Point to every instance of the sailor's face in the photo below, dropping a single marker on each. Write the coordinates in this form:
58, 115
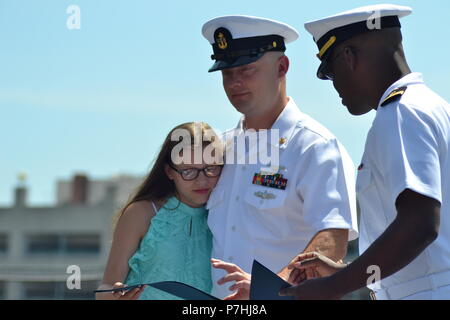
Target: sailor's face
248, 87
348, 85
350, 97
238, 82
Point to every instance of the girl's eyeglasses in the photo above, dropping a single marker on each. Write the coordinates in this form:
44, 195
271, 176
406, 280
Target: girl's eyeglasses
192, 173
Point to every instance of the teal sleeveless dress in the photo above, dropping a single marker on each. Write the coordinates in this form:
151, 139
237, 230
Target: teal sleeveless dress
177, 247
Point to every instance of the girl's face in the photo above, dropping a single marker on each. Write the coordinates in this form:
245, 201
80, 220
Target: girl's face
194, 182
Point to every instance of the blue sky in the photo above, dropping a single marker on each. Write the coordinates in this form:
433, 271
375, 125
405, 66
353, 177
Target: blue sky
101, 99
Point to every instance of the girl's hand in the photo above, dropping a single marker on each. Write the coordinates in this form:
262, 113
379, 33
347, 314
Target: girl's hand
132, 294
243, 280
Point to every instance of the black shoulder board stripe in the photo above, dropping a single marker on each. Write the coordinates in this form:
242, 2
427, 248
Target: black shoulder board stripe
394, 95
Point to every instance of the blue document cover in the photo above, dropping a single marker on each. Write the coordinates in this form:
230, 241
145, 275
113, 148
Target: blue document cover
265, 285
182, 290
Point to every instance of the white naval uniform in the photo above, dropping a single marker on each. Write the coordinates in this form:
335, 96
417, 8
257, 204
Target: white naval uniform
319, 195
407, 147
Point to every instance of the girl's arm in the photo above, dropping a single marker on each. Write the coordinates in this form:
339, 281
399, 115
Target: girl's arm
131, 228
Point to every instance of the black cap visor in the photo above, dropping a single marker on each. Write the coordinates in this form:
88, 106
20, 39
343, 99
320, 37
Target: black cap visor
239, 61
322, 70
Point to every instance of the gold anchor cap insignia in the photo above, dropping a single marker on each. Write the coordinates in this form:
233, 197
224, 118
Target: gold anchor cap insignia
221, 41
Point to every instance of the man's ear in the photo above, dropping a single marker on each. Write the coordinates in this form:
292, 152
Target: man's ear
283, 66
351, 58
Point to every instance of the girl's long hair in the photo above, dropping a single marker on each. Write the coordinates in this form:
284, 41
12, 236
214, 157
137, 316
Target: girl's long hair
157, 186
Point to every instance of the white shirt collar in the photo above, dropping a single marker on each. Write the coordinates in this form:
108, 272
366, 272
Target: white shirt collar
412, 78
285, 123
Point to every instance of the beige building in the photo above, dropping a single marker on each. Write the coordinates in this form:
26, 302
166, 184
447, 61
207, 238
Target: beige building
92, 192
43, 248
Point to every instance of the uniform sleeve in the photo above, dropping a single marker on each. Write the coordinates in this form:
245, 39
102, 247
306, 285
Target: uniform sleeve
407, 153
327, 187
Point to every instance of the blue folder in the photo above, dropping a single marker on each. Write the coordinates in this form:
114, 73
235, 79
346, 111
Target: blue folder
265, 285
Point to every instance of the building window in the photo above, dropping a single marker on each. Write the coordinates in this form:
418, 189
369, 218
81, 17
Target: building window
87, 243
2, 290
47, 243
85, 293
39, 290
63, 244
3, 243
58, 291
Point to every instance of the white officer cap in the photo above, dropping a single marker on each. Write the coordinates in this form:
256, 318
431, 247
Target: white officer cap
239, 40
329, 32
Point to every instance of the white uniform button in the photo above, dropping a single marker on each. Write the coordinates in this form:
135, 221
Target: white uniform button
233, 228
237, 198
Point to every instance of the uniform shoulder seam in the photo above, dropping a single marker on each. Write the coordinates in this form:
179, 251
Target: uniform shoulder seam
327, 137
